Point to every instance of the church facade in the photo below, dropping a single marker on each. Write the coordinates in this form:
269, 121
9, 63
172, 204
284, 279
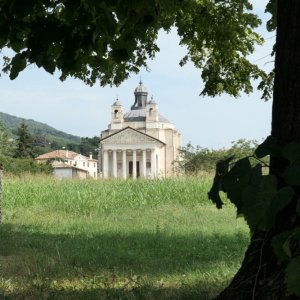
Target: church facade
140, 142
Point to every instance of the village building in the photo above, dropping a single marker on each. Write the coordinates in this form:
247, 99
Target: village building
140, 142
69, 164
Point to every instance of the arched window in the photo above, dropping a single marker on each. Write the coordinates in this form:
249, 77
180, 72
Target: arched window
116, 114
150, 111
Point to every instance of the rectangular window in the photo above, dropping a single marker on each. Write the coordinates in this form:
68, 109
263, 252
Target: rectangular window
88, 164
83, 164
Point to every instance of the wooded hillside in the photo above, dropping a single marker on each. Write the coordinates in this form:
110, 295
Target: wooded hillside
38, 129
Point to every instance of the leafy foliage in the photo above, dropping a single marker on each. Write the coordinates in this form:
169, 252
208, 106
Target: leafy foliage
24, 147
87, 146
193, 160
107, 40
260, 198
293, 276
18, 166
6, 141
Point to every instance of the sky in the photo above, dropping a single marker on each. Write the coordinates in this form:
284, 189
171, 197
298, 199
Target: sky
75, 108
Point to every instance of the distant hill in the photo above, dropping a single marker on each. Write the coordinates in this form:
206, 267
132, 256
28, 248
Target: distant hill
39, 129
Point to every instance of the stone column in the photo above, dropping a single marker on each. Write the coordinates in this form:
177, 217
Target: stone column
124, 162
134, 163
153, 162
105, 164
114, 163
144, 163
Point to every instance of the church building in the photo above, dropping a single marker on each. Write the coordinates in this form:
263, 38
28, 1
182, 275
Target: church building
140, 142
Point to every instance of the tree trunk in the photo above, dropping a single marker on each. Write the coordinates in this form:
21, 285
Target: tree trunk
261, 276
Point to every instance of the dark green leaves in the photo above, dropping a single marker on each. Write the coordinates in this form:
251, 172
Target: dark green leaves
286, 247
236, 180
107, 40
221, 170
280, 200
291, 152
256, 196
298, 207
214, 193
272, 9
18, 64
120, 55
279, 245
292, 172
257, 199
268, 147
293, 276
206, 27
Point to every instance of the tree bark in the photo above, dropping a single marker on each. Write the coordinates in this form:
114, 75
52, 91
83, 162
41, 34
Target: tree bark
261, 276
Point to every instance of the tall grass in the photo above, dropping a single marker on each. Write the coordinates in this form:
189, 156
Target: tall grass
134, 239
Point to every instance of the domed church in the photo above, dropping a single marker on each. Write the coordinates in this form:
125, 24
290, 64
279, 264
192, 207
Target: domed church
140, 142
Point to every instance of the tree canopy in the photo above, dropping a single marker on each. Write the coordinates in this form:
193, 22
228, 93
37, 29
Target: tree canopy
24, 147
106, 40
6, 141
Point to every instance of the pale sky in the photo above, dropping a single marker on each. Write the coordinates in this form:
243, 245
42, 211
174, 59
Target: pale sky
75, 108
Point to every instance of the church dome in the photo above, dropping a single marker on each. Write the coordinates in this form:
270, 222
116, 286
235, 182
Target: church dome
141, 88
139, 115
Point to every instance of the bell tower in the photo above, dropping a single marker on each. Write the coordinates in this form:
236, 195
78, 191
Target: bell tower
117, 115
152, 111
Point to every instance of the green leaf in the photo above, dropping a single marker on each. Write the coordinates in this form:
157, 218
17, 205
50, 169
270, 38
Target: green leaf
268, 147
282, 198
257, 200
18, 64
222, 167
292, 277
148, 19
256, 175
292, 173
298, 207
291, 152
236, 181
49, 66
278, 243
120, 55
216, 188
286, 247
283, 244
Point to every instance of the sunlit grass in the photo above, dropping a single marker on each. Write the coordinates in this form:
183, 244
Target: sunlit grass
155, 239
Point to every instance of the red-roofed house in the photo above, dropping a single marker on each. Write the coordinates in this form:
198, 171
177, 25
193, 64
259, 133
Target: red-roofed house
69, 164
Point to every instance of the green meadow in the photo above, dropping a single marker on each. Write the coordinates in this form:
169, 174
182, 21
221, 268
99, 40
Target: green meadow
154, 239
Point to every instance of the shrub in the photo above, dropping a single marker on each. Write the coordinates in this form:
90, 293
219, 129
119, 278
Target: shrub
17, 166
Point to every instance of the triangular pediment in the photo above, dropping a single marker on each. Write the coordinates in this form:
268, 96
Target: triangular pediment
129, 136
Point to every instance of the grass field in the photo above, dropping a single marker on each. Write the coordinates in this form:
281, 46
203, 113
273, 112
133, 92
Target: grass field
156, 239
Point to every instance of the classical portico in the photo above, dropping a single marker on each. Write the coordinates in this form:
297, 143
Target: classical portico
131, 154
140, 142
